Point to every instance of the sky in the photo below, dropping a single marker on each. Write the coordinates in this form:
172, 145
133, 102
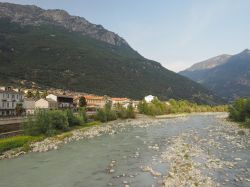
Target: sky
176, 33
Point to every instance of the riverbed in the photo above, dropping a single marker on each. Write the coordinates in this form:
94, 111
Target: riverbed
193, 150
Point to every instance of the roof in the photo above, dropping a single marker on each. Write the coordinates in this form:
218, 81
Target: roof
119, 99
94, 97
50, 100
61, 95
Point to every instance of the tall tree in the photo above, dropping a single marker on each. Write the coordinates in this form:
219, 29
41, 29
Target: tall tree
82, 102
19, 109
29, 94
37, 95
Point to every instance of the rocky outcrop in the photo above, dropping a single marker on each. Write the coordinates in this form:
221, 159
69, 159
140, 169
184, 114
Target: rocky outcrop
35, 16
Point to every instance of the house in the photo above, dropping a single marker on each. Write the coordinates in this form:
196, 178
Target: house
9, 100
96, 101
63, 101
149, 98
29, 105
121, 101
46, 104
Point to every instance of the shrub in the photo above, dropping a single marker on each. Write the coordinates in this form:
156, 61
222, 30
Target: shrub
247, 122
72, 119
82, 114
237, 111
106, 114
46, 122
40, 124
130, 111
59, 120
101, 115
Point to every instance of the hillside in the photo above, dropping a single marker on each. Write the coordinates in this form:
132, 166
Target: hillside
53, 49
229, 79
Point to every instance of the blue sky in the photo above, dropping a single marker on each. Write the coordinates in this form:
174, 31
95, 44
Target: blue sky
176, 33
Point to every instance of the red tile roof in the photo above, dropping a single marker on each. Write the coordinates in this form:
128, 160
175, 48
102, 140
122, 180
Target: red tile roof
119, 99
93, 97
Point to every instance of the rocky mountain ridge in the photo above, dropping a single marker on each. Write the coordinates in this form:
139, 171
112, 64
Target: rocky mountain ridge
229, 76
210, 63
35, 16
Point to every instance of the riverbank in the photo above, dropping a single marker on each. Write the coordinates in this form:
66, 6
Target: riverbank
89, 130
95, 129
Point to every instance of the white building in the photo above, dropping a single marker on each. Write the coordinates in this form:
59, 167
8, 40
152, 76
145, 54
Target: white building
46, 104
125, 102
149, 98
8, 101
29, 105
63, 101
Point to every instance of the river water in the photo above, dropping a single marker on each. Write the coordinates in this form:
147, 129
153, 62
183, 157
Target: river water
119, 159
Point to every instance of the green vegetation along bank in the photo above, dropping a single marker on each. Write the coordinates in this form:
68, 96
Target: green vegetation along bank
239, 111
57, 123
157, 107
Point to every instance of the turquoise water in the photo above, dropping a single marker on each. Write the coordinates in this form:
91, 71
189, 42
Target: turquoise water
86, 162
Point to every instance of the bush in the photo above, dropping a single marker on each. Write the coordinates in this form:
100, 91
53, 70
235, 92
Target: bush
247, 122
82, 114
40, 124
106, 114
15, 142
237, 111
130, 111
48, 122
72, 119
59, 120
101, 115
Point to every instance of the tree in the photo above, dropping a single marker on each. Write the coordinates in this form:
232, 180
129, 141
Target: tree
130, 111
82, 102
19, 109
37, 95
29, 94
44, 94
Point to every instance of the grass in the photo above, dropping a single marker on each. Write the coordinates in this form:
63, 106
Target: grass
24, 142
17, 141
93, 123
63, 135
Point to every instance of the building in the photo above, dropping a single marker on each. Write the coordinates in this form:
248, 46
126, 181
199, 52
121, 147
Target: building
29, 105
121, 101
9, 100
63, 101
46, 104
96, 101
149, 98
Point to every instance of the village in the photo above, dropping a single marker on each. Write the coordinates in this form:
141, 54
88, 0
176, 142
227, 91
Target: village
24, 102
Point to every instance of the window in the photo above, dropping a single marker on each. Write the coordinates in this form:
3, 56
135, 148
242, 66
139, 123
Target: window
13, 105
8, 95
8, 105
13, 96
17, 96
3, 105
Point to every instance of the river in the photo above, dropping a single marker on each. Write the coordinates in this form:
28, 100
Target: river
215, 151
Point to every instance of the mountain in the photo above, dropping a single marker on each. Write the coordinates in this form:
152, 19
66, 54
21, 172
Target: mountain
210, 63
51, 48
227, 75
